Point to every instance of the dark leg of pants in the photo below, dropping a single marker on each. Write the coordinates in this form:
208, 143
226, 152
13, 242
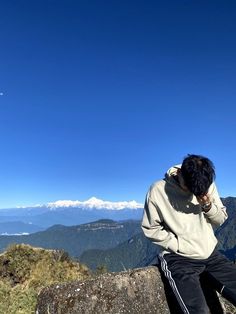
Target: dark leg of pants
209, 292
173, 303
211, 296
184, 275
222, 274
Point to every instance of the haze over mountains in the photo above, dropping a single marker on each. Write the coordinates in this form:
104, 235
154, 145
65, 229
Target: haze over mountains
67, 213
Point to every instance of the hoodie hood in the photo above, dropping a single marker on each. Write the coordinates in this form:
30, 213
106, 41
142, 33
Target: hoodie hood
170, 178
171, 173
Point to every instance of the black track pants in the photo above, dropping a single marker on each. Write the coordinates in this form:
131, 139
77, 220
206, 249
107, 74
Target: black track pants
184, 274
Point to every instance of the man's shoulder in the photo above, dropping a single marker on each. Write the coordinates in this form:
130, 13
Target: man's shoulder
212, 189
157, 186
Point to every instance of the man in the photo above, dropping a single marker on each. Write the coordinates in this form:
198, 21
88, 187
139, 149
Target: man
180, 214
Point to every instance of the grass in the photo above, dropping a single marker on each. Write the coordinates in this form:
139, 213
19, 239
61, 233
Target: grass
25, 270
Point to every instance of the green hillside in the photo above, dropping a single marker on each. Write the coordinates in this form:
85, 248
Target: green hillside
102, 234
138, 251
25, 270
226, 234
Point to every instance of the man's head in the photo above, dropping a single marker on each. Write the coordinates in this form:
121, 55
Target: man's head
198, 173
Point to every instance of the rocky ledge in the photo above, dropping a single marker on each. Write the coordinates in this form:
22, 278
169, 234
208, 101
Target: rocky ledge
136, 291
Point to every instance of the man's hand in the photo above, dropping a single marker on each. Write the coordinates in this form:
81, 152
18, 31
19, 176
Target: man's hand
205, 202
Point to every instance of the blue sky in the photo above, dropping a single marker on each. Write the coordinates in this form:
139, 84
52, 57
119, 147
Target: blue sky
100, 98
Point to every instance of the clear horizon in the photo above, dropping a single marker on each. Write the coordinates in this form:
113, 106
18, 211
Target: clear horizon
102, 98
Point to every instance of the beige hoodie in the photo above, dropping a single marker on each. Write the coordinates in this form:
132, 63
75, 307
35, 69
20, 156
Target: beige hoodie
174, 219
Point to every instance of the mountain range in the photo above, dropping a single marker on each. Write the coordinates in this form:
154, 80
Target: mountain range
102, 234
116, 244
24, 220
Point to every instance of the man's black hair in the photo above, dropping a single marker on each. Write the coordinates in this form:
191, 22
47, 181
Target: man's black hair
198, 173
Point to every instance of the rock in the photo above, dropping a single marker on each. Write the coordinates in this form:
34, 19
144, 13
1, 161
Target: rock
135, 291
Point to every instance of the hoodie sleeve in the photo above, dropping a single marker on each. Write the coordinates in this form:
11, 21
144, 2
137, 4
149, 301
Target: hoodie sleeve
154, 228
217, 214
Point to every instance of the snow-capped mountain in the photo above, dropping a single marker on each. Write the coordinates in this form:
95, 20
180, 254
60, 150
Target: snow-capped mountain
68, 213
91, 203
95, 203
